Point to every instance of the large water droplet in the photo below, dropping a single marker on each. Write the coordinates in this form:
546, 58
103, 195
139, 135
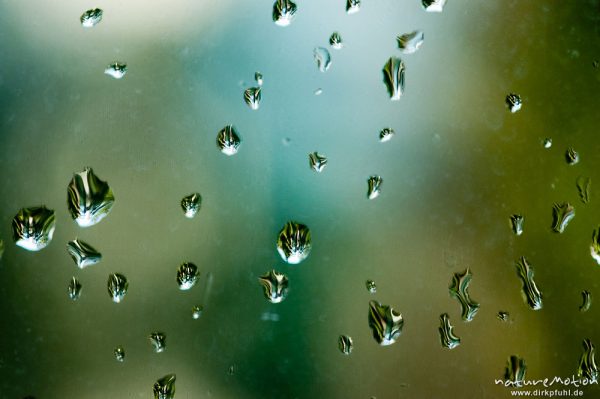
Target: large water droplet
294, 242
119, 354
323, 58
571, 156
352, 6
345, 344
83, 254
587, 301
458, 289
516, 222
433, 5
447, 337
563, 213
317, 161
116, 69
164, 388
284, 12
587, 363
275, 286
386, 324
371, 286
187, 276
583, 188
117, 287
228, 140
386, 134
158, 341
531, 293
335, 40
90, 199
197, 312
91, 18
252, 97
513, 101
191, 204
410, 42
74, 289
33, 227
374, 187
595, 246
393, 77
515, 371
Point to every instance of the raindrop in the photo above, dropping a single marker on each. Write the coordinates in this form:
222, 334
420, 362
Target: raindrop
587, 301
374, 187
386, 324
258, 77
275, 286
323, 58
345, 344
503, 316
91, 18
83, 254
284, 12
74, 289
252, 97
318, 92
158, 341
197, 312
513, 101
119, 354
583, 187
386, 134
563, 213
409, 43
447, 337
352, 6
587, 363
393, 77
433, 5
458, 289
515, 371
33, 228
116, 69
90, 199
117, 287
572, 156
191, 205
371, 287
164, 388
228, 140
1, 248
335, 40
231, 370
531, 293
595, 246
547, 142
317, 161
187, 276
294, 242
516, 222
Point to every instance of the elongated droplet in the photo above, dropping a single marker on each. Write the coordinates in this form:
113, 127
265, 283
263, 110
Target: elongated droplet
447, 337
284, 12
335, 41
572, 156
74, 289
294, 242
516, 222
197, 312
434, 5
393, 77
595, 246
90, 199
252, 97
374, 187
514, 103
91, 18
371, 286
409, 43
187, 275
352, 6
563, 213
116, 69
587, 363
158, 341
317, 161
275, 286
386, 134
191, 205
1, 249
587, 301
119, 354
531, 293
228, 140
164, 388
583, 187
345, 344
117, 287
503, 316
83, 254
258, 77
33, 228
458, 289
386, 324
515, 371
322, 58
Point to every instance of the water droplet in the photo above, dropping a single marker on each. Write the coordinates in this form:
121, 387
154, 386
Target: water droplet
90, 199
191, 204
164, 388
434, 5
197, 312
458, 289
503, 316
547, 142
231, 370
187, 276
371, 287
323, 58
294, 242
116, 69
258, 77
117, 287
252, 97
386, 134
393, 77
514, 102
587, 363
228, 140
595, 246
119, 354
318, 92
352, 6
531, 293
587, 301
374, 187
83, 254
335, 40
409, 43
447, 337
563, 214
317, 162
596, 63
284, 12
583, 187
33, 228
345, 344
515, 371
1, 249
91, 18
572, 156
275, 286
516, 222
74, 289
385, 323
158, 341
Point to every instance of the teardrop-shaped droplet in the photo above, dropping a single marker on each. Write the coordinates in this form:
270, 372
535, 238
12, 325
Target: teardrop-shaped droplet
386, 134
116, 70
258, 77
371, 286
515, 371
562, 213
197, 311
516, 222
83, 254
374, 187
158, 340
409, 43
74, 289
187, 275
583, 188
252, 97
164, 388
33, 228
587, 363
322, 58
117, 287
531, 292
90, 199
335, 40
352, 6
317, 161
514, 103
587, 301
228, 140
275, 286
459, 290
91, 18
284, 12
119, 354
447, 337
345, 344
294, 242
191, 205
572, 156
386, 324
393, 77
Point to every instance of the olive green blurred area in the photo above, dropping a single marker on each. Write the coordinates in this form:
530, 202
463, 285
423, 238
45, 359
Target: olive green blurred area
458, 166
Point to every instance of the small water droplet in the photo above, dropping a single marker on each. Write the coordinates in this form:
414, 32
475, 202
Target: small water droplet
158, 341
33, 227
228, 140
371, 287
374, 187
275, 286
258, 77
1, 249
583, 187
197, 312
191, 204
386, 324
318, 92
252, 97
409, 43
393, 77
284, 12
231, 370
119, 354
531, 293
447, 337
352, 6
335, 40
345, 344
386, 134
547, 142
503, 316
587, 301
91, 18
90, 199
596, 63
116, 69
317, 162
83, 254
595, 246
572, 156
323, 58
74, 289
587, 363
515, 371
294, 242
563, 213
516, 222
513, 101
117, 287
458, 289
187, 275
164, 388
